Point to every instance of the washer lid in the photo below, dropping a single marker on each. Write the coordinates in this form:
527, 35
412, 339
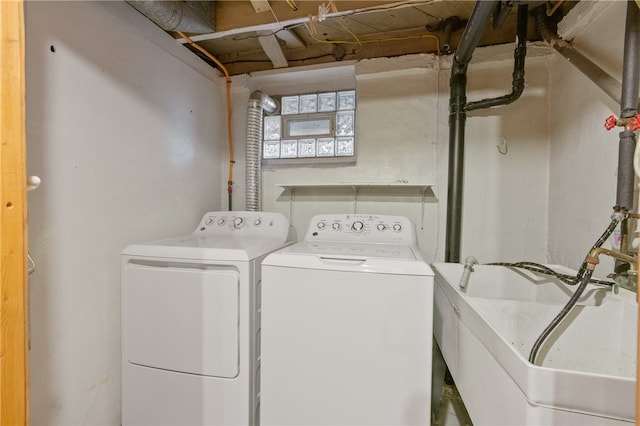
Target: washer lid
368, 250
400, 259
206, 247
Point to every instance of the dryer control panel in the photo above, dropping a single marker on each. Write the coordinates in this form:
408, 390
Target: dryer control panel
243, 224
362, 228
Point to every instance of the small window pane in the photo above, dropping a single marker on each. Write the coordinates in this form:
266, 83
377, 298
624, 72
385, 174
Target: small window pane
271, 149
306, 148
308, 126
326, 147
308, 103
289, 105
272, 128
347, 100
344, 123
344, 146
327, 102
289, 149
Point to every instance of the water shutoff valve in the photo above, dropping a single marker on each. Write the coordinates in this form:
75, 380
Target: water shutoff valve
631, 123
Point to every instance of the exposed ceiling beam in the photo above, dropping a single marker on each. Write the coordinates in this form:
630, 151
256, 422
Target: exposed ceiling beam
290, 38
260, 5
272, 48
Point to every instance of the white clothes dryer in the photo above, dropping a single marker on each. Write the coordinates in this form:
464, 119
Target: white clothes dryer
190, 322
347, 326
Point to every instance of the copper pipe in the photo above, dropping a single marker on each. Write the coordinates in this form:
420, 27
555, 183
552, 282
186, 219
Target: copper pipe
592, 258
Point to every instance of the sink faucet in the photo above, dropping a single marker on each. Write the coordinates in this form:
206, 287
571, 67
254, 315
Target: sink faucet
468, 269
628, 280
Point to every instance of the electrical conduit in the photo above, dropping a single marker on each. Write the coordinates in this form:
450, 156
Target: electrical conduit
229, 115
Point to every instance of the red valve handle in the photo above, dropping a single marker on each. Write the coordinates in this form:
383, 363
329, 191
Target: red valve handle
634, 123
610, 122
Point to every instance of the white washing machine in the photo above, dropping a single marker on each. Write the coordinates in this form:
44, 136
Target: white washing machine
347, 326
190, 325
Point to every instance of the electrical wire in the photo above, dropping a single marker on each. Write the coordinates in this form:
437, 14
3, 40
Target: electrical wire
361, 42
356, 39
229, 112
432, 36
352, 33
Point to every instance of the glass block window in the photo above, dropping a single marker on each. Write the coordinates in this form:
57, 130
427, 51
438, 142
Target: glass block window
312, 125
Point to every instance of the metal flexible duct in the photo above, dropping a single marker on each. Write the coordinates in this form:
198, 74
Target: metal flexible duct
258, 103
173, 16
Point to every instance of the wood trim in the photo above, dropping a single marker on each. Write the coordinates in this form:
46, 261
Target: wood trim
14, 405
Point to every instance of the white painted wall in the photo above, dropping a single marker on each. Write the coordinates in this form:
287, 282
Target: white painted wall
402, 136
505, 195
126, 130
584, 155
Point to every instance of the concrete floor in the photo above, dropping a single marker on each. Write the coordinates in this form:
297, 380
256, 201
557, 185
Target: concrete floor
447, 407
451, 410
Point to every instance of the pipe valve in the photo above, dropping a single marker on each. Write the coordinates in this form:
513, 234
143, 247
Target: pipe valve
630, 123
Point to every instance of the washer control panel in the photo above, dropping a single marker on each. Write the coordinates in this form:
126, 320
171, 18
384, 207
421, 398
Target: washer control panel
241, 223
363, 228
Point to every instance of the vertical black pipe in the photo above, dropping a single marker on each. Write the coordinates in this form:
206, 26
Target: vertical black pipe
629, 106
457, 120
457, 123
631, 64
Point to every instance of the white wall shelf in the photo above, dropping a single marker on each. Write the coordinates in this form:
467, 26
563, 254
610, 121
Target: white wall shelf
422, 187
422, 190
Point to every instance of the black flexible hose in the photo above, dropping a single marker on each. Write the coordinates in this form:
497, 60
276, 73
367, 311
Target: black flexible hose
563, 313
583, 276
542, 269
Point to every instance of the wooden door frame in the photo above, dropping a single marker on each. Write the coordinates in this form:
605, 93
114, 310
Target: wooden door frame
14, 389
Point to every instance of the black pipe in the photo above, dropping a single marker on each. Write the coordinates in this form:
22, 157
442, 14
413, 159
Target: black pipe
593, 72
517, 85
457, 119
473, 31
628, 108
458, 108
457, 122
500, 14
631, 64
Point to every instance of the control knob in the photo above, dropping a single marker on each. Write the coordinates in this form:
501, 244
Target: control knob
238, 222
357, 226
397, 227
381, 227
209, 221
321, 225
335, 226
221, 221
